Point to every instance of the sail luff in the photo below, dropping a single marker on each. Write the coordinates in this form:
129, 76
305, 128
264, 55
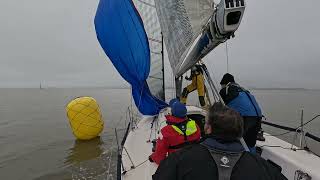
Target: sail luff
147, 11
122, 35
163, 76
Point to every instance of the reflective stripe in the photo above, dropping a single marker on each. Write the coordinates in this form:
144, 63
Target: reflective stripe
191, 128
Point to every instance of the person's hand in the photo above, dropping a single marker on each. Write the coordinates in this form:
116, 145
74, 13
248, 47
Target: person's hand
154, 142
150, 159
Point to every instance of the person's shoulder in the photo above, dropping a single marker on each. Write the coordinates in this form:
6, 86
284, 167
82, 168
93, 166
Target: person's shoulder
177, 163
222, 91
264, 166
249, 155
234, 87
168, 131
253, 157
190, 151
195, 147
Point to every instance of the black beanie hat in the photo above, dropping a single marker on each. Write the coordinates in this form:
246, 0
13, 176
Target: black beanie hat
227, 78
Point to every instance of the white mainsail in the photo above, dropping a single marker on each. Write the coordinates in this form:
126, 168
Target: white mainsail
190, 30
148, 14
193, 28
182, 21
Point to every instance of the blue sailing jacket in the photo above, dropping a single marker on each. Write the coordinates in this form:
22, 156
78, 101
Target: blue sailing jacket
241, 101
246, 105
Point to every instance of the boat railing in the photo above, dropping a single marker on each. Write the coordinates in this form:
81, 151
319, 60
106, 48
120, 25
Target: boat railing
297, 130
307, 134
120, 148
131, 118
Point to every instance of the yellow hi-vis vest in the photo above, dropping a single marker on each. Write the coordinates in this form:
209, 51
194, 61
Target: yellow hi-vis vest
190, 129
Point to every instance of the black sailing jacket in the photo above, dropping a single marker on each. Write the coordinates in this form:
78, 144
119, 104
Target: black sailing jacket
196, 163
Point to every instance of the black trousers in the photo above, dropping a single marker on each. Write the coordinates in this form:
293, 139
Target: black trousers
252, 126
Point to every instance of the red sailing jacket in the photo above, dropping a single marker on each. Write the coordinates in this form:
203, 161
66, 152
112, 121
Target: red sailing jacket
170, 137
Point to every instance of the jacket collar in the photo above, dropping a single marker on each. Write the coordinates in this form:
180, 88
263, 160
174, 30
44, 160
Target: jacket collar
172, 119
217, 143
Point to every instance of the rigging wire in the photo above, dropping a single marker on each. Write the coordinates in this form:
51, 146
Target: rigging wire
114, 139
137, 165
128, 114
297, 128
214, 81
227, 55
287, 148
173, 87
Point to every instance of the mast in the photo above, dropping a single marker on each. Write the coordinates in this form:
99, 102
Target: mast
178, 82
163, 77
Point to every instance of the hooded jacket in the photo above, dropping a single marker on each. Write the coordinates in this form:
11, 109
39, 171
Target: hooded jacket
241, 100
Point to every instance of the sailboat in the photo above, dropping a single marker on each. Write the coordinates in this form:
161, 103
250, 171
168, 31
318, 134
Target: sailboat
133, 34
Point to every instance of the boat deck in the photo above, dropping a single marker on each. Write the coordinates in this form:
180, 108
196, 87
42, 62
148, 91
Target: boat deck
138, 147
280, 152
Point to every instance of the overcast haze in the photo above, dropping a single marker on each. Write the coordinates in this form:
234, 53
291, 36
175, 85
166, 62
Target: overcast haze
54, 42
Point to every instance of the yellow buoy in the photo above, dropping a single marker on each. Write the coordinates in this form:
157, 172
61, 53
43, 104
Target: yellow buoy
85, 118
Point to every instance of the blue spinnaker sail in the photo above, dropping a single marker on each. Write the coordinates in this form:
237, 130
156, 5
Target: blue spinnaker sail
122, 36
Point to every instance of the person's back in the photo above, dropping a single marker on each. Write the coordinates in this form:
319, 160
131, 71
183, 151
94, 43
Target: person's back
242, 101
196, 163
238, 98
219, 157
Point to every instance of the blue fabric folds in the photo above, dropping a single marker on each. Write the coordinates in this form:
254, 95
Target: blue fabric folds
246, 105
121, 34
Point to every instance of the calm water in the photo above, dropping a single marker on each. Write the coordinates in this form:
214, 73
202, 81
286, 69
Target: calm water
36, 141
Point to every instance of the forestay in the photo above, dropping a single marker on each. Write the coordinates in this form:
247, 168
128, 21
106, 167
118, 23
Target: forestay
182, 22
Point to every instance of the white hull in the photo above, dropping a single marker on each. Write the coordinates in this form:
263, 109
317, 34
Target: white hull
290, 161
139, 148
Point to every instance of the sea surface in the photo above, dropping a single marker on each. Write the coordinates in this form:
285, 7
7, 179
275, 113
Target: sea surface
36, 141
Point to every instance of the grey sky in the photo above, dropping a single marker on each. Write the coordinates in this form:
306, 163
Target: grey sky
54, 42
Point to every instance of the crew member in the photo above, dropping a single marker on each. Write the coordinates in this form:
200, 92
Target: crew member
197, 84
242, 101
220, 156
179, 132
